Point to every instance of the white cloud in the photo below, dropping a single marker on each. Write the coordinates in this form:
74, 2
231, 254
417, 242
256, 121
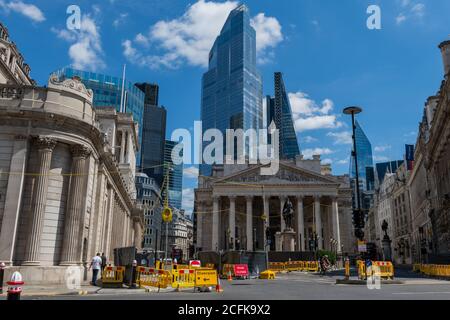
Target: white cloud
308, 139
343, 161
308, 115
188, 200
28, 10
327, 161
120, 19
189, 38
344, 137
380, 158
410, 11
309, 153
86, 51
382, 148
190, 172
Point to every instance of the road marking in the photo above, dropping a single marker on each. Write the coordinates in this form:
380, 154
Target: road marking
411, 293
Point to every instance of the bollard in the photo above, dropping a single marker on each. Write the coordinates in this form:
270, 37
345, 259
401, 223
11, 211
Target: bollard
347, 268
133, 275
15, 286
2, 273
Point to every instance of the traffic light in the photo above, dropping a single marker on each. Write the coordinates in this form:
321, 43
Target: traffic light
359, 233
358, 219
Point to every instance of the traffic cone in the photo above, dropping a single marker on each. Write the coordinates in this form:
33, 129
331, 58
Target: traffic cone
218, 287
230, 278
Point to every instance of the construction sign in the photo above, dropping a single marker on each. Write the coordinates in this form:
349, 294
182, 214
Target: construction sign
241, 270
205, 278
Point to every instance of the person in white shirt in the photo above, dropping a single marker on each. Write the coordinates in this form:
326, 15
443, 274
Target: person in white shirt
96, 265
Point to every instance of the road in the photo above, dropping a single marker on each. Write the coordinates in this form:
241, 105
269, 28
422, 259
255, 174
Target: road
292, 286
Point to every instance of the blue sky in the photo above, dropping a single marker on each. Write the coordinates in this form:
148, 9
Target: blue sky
329, 58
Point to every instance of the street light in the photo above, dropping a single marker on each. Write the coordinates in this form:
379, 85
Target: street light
357, 213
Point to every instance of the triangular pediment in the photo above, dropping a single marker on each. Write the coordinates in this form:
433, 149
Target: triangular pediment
287, 174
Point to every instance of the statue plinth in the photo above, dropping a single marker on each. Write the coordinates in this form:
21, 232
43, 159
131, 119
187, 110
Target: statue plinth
285, 241
387, 250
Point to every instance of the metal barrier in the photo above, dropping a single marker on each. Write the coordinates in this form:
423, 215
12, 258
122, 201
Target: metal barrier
112, 276
150, 277
383, 269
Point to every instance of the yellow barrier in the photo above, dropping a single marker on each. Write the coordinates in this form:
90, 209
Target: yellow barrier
313, 266
112, 276
416, 267
227, 269
277, 266
435, 270
362, 272
383, 269
180, 266
295, 266
150, 277
183, 278
267, 275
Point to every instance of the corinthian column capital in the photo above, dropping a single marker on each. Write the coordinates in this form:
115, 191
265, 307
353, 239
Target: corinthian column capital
80, 151
44, 143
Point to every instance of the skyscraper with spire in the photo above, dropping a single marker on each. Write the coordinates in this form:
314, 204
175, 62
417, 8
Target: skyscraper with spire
278, 110
232, 86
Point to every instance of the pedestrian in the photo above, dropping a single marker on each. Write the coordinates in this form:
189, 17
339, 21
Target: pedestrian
96, 264
104, 259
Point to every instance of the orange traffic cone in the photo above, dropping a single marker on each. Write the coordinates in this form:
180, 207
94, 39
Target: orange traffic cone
230, 278
218, 286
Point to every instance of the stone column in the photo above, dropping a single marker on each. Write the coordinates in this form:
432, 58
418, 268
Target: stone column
199, 228
13, 199
335, 221
267, 221
232, 221
300, 224
249, 224
318, 221
72, 241
122, 148
45, 150
215, 225
282, 223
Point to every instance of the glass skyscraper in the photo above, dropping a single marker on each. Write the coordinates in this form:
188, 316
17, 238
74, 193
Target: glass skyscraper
232, 86
153, 133
278, 110
175, 176
365, 167
108, 93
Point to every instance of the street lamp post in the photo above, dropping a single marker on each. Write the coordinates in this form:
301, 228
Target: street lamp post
359, 233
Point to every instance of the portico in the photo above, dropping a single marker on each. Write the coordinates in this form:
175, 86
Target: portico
233, 211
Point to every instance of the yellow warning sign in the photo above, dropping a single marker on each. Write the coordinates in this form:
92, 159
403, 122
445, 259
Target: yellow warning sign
167, 214
205, 278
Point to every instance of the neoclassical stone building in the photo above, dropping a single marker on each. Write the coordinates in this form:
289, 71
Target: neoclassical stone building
231, 204
66, 179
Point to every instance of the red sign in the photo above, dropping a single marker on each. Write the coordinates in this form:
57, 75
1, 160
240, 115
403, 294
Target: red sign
241, 270
195, 263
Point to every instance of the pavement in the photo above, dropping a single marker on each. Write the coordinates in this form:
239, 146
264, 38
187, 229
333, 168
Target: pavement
286, 286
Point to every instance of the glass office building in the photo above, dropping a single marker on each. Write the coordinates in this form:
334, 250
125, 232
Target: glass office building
385, 167
175, 176
278, 110
153, 133
365, 167
108, 93
232, 86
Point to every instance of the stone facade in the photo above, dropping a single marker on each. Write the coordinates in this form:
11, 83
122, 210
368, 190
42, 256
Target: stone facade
437, 163
235, 205
178, 235
64, 195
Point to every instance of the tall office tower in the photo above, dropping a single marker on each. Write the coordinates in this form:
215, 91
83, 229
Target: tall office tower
175, 176
153, 133
232, 86
365, 168
279, 111
108, 93
385, 167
